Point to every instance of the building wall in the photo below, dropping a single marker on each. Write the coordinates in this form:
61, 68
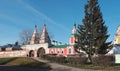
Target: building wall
64, 51
58, 51
35, 48
72, 40
0, 49
69, 50
17, 53
117, 40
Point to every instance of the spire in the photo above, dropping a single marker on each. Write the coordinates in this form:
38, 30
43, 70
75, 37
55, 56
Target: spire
44, 25
73, 36
35, 26
35, 29
44, 38
35, 37
74, 29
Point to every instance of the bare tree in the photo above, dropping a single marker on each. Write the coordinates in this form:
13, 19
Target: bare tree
25, 36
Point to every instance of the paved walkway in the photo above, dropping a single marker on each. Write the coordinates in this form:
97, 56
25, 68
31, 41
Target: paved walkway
58, 67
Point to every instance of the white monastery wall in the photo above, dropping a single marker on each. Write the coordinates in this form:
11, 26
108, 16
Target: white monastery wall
35, 47
16, 53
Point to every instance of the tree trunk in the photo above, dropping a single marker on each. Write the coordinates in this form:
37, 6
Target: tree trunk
90, 58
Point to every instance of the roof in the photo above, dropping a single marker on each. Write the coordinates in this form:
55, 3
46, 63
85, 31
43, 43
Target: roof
74, 35
58, 46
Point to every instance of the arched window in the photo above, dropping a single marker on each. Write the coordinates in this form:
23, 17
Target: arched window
51, 52
57, 51
69, 51
62, 51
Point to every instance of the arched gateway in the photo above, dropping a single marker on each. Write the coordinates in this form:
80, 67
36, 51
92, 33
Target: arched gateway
40, 45
31, 53
40, 52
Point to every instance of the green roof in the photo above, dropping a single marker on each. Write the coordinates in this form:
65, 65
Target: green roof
58, 46
74, 35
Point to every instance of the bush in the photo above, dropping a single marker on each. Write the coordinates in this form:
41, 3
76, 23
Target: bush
103, 60
48, 57
77, 60
61, 59
53, 58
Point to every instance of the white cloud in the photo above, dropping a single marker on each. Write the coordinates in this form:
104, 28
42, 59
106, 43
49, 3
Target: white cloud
43, 15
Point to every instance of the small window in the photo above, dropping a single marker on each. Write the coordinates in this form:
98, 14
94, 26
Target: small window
69, 51
57, 51
62, 51
52, 52
3, 49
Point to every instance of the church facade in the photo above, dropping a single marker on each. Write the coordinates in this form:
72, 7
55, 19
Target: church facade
116, 45
117, 37
40, 45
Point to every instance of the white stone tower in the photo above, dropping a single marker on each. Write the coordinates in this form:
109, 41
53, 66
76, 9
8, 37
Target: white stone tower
35, 37
44, 38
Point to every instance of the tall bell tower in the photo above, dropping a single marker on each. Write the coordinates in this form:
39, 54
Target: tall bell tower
44, 38
35, 37
73, 36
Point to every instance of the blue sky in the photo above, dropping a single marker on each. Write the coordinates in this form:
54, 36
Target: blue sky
58, 15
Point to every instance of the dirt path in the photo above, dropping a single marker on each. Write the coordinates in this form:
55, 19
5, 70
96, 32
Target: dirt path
58, 67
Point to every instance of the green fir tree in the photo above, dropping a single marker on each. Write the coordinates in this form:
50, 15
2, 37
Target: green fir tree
92, 34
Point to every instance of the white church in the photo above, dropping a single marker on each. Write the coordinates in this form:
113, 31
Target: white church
40, 45
116, 45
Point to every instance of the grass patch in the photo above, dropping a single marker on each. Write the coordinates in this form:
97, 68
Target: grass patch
24, 61
5, 60
90, 66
